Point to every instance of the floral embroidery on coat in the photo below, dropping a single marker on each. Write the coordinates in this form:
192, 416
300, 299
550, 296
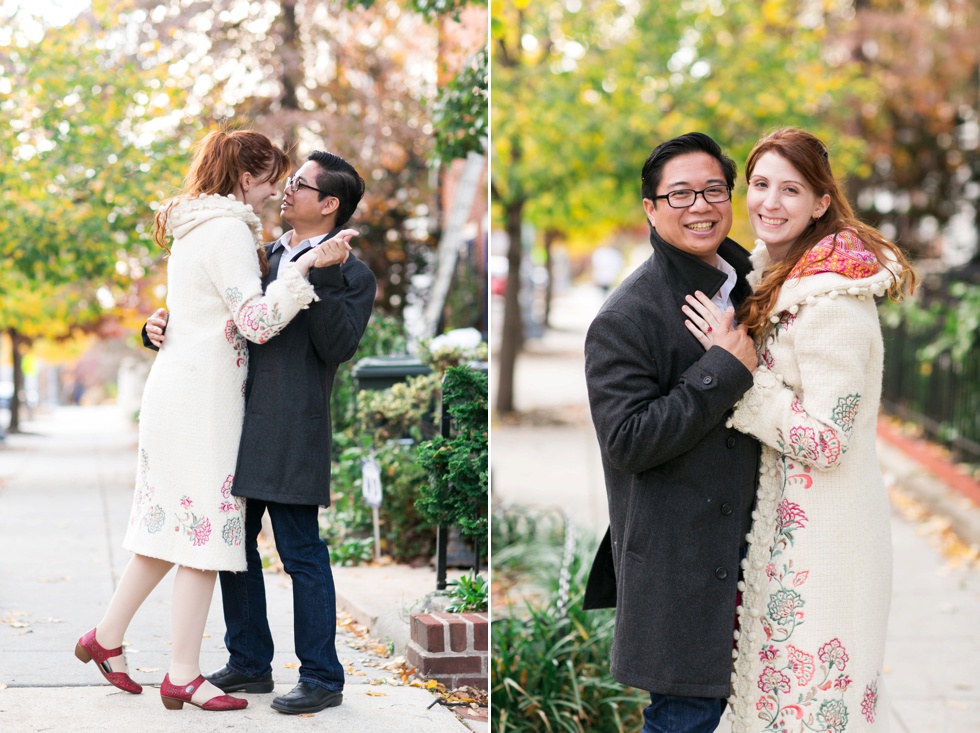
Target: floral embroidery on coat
785, 608
817, 678
258, 321
869, 705
234, 297
786, 320
820, 444
846, 411
233, 531
237, 341
150, 516
196, 529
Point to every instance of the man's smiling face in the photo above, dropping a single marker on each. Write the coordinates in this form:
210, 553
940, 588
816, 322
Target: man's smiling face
304, 205
702, 227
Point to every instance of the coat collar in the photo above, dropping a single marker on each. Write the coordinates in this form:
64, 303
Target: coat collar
275, 253
690, 273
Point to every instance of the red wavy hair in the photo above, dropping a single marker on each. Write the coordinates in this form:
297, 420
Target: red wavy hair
219, 162
810, 158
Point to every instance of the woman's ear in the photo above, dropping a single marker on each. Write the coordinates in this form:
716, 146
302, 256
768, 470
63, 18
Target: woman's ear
245, 181
823, 203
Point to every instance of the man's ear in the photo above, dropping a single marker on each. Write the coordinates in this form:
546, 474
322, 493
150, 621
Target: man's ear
651, 209
329, 205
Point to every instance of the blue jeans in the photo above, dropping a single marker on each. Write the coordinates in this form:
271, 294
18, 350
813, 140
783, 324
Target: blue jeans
680, 714
306, 559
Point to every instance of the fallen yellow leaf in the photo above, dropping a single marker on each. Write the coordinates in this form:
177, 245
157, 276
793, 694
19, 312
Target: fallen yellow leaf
375, 693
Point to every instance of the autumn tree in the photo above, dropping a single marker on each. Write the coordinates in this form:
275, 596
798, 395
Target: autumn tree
313, 76
922, 129
81, 121
582, 96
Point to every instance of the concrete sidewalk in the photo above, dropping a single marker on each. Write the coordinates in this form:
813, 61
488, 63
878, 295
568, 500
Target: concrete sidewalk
550, 458
65, 494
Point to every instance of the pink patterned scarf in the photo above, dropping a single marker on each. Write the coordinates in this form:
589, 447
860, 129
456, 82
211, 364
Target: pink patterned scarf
844, 254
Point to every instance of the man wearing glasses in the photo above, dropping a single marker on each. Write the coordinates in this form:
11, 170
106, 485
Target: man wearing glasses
284, 454
680, 484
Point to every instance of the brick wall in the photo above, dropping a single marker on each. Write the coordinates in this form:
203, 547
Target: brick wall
451, 648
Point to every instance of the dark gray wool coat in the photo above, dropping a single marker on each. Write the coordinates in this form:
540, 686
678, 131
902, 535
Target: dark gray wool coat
284, 455
680, 484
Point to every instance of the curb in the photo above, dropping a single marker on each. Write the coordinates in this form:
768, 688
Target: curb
920, 468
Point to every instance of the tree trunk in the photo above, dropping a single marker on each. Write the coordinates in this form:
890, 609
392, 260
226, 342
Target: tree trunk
16, 341
291, 78
512, 337
549, 238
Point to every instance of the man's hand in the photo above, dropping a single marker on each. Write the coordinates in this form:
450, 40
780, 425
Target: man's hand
712, 327
156, 324
334, 251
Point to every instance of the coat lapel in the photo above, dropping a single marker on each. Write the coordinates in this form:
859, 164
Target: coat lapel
275, 256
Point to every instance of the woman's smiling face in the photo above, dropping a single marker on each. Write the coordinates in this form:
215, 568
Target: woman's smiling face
781, 204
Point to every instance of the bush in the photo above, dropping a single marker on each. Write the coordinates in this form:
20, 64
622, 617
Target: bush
457, 490
469, 594
347, 524
352, 552
549, 661
384, 335
385, 424
405, 533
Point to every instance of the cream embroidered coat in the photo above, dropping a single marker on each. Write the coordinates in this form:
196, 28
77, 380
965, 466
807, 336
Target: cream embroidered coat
817, 578
193, 402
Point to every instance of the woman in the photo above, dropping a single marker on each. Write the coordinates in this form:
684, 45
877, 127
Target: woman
817, 576
191, 416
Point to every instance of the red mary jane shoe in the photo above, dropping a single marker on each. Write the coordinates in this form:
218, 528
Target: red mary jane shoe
174, 697
88, 649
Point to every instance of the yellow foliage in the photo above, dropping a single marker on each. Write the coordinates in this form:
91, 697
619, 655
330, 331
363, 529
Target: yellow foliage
63, 351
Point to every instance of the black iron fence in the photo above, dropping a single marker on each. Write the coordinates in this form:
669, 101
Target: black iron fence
942, 394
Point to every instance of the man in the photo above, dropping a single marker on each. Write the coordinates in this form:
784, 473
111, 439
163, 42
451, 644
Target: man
284, 454
680, 484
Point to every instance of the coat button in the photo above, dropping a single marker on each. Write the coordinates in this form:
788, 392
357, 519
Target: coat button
726, 509
730, 442
721, 573
706, 380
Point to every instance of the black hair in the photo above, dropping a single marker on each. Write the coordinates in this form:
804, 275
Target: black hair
691, 142
338, 178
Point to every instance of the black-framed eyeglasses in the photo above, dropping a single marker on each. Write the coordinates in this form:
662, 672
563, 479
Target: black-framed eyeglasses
293, 184
685, 197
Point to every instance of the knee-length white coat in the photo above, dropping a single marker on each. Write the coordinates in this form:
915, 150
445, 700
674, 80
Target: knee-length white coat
817, 577
193, 403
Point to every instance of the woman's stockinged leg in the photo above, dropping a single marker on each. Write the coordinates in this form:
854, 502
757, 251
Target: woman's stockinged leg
192, 600
141, 576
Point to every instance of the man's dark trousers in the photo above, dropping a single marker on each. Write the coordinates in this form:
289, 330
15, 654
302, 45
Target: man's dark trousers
306, 559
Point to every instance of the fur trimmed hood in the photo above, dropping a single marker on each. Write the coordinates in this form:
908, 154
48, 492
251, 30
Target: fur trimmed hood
805, 290
187, 213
